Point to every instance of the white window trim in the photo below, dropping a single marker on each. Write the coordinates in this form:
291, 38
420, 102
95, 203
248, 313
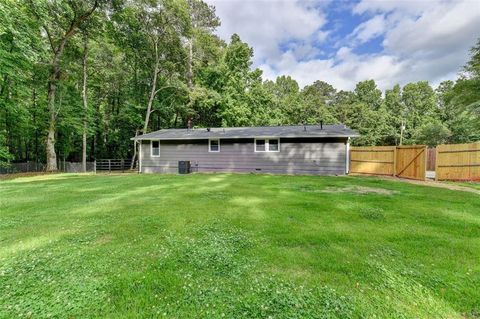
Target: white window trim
267, 146
151, 148
209, 145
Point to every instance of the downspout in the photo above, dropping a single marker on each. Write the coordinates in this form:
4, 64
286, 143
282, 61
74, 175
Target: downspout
347, 157
140, 156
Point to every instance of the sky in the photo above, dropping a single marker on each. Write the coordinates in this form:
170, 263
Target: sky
344, 42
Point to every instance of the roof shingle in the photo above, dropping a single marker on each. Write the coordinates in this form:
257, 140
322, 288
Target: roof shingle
251, 132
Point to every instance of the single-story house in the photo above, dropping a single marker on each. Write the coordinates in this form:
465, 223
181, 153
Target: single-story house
300, 149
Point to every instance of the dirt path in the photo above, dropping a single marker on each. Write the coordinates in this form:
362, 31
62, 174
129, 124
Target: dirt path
435, 184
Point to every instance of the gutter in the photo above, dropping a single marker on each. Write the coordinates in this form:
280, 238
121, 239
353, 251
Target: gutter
140, 138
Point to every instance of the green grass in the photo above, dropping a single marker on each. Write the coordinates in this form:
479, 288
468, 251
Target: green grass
236, 246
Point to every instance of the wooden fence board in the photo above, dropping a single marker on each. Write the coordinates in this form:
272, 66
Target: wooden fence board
402, 161
411, 161
431, 156
375, 160
458, 162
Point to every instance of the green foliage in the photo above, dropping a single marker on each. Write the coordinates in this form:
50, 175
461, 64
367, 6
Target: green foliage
368, 93
473, 65
432, 134
5, 157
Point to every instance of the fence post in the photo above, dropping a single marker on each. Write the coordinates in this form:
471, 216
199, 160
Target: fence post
395, 161
95, 166
122, 163
109, 166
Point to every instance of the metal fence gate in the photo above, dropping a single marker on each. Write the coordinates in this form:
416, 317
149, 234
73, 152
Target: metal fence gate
113, 165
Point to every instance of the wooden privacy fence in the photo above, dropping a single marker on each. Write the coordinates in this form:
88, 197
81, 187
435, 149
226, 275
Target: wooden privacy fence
402, 161
374, 160
411, 161
458, 162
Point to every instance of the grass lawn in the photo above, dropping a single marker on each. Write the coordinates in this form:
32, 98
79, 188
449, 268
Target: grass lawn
236, 246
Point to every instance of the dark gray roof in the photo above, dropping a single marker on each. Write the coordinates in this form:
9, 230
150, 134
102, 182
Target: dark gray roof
250, 132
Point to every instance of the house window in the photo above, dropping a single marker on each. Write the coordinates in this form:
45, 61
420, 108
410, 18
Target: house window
214, 145
155, 148
267, 145
259, 145
273, 145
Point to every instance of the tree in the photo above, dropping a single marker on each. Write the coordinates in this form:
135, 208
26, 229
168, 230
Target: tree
60, 21
20, 50
317, 99
203, 23
396, 113
236, 82
472, 68
5, 157
420, 106
368, 114
432, 134
285, 100
153, 31
85, 101
368, 93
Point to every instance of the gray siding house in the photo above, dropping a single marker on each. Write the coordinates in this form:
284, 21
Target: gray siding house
309, 149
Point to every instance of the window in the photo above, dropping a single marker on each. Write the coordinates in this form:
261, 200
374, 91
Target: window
259, 145
267, 145
214, 145
273, 145
155, 148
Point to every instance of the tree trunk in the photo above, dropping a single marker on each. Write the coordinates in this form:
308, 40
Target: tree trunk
35, 124
190, 64
85, 105
51, 89
176, 119
153, 90
53, 79
134, 157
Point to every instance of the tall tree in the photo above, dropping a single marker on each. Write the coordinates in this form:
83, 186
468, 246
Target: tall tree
203, 23
60, 21
317, 102
420, 106
20, 50
85, 100
395, 109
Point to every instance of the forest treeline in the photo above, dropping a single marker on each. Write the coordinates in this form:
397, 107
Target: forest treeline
79, 78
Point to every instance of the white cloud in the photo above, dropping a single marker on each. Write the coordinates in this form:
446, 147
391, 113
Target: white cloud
370, 29
266, 25
342, 71
440, 28
408, 6
422, 40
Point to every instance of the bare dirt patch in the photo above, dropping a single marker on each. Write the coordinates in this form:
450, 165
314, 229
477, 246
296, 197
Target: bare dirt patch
436, 184
18, 175
104, 240
362, 190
